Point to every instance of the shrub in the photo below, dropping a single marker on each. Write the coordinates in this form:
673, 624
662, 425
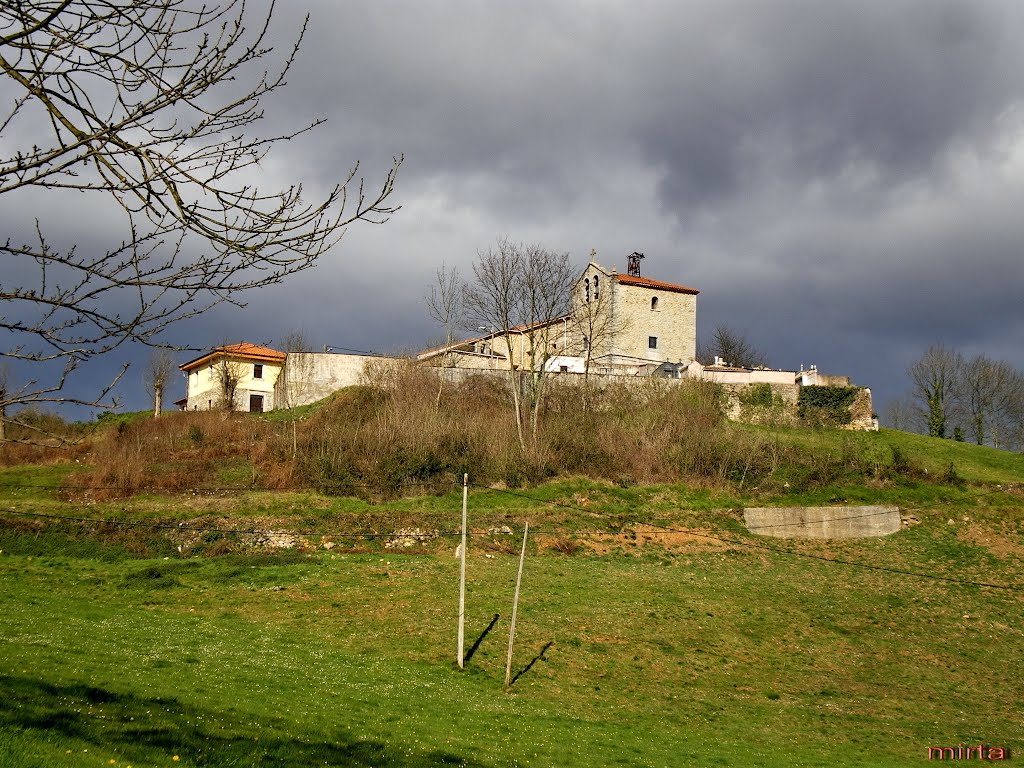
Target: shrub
826, 406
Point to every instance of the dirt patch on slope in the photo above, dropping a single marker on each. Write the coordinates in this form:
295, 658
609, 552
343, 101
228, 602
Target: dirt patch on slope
1002, 544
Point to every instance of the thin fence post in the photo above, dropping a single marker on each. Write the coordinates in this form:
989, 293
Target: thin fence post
462, 573
515, 607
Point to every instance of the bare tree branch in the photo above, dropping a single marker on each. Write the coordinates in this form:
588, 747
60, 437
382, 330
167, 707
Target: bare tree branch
143, 103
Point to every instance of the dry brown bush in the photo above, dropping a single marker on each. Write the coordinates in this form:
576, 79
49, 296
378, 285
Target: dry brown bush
36, 436
393, 435
179, 451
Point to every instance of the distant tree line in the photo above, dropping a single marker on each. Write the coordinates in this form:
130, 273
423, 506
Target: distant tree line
978, 399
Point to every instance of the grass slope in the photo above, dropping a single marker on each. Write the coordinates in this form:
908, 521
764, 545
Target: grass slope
646, 648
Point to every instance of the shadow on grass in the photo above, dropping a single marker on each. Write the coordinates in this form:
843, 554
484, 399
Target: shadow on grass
533, 661
150, 729
472, 650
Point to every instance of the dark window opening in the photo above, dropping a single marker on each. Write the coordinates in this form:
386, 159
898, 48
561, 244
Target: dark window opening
586, 343
652, 342
586, 284
255, 403
595, 287
654, 302
563, 368
257, 371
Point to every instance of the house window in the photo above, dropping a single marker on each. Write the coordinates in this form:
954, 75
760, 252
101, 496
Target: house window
586, 343
654, 302
595, 287
586, 284
563, 368
257, 371
652, 342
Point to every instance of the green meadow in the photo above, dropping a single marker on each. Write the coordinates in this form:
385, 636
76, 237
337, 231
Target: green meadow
652, 629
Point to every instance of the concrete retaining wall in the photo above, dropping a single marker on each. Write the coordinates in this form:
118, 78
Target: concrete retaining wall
822, 522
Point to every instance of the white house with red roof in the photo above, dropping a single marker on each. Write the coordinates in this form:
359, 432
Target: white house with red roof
253, 369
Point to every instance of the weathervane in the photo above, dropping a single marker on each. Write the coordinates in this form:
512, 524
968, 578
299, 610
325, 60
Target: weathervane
634, 263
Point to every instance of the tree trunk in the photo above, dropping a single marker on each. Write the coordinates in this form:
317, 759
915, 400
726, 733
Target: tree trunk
517, 400
158, 396
3, 423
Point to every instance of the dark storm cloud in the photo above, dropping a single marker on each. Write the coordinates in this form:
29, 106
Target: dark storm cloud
803, 92
716, 97
842, 180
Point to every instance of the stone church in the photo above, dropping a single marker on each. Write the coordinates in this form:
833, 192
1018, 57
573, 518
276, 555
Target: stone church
617, 323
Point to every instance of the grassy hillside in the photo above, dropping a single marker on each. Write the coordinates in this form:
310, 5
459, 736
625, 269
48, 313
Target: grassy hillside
695, 655
652, 629
214, 590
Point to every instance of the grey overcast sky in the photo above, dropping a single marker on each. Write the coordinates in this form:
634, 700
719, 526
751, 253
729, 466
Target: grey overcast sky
843, 181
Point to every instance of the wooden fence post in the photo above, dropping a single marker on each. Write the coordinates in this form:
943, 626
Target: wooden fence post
462, 573
515, 607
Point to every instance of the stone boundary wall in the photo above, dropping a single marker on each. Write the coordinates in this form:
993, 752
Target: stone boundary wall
783, 409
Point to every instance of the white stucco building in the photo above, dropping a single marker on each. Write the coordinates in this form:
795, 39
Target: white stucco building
256, 370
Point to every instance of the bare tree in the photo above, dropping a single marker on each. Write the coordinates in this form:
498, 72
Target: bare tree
293, 383
523, 293
732, 347
902, 415
142, 106
446, 306
988, 392
228, 374
296, 341
935, 378
446, 303
158, 371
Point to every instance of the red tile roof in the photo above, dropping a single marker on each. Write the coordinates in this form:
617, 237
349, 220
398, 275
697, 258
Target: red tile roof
646, 282
243, 350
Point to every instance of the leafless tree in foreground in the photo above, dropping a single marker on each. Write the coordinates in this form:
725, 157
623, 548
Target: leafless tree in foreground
3, 402
144, 104
523, 293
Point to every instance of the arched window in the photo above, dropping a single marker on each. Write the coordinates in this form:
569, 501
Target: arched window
595, 287
586, 284
586, 343
654, 302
